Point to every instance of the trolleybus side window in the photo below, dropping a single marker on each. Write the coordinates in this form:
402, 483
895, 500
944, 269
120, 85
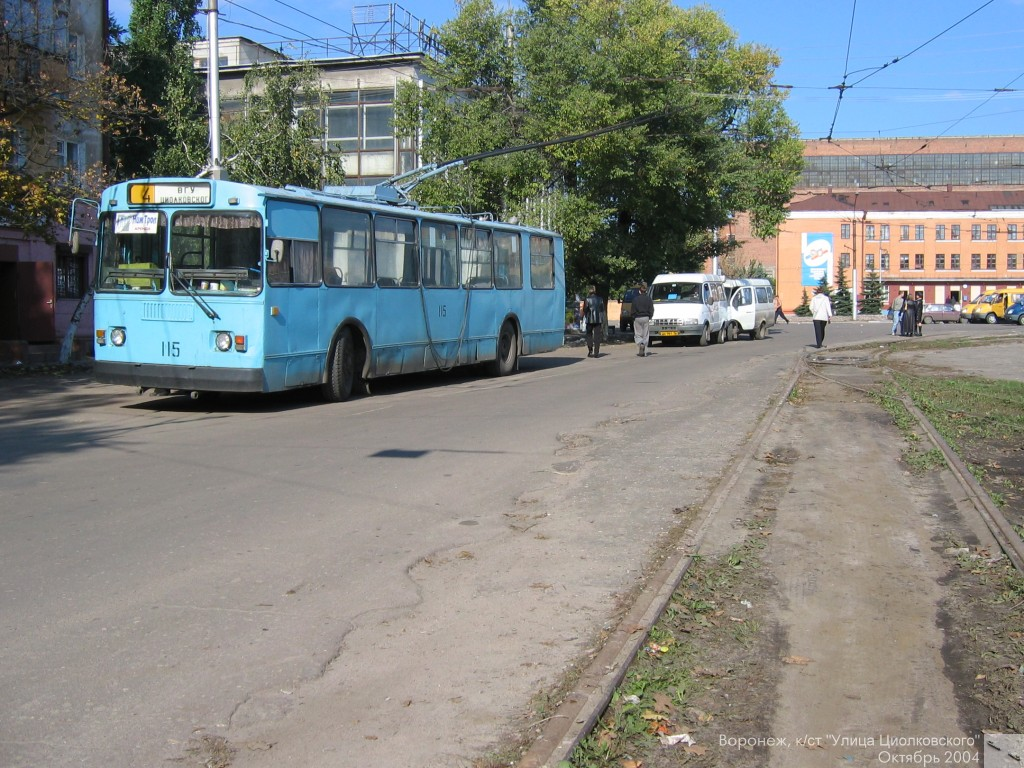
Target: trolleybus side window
346, 237
396, 251
293, 245
133, 251
440, 255
508, 260
476, 257
542, 262
216, 251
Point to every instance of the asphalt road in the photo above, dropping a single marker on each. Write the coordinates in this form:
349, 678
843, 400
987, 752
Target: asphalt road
380, 582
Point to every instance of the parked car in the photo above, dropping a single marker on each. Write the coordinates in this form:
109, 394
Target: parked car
1015, 314
626, 310
940, 313
991, 306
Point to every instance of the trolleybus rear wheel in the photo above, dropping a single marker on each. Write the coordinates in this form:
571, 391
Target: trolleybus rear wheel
341, 369
508, 351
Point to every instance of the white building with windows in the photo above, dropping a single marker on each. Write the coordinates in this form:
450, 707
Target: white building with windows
361, 71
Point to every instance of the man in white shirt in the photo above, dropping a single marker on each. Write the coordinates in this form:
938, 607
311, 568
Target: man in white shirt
821, 313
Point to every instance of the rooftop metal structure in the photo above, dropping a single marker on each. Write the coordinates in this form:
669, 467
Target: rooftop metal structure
377, 30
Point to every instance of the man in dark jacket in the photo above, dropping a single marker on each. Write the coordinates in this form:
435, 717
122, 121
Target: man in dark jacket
643, 310
593, 313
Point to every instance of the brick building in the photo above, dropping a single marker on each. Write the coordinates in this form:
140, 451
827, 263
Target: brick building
944, 216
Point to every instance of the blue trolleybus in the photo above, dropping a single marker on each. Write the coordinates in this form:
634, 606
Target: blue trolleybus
217, 286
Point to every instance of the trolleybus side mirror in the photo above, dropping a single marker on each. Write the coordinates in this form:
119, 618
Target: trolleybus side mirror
276, 253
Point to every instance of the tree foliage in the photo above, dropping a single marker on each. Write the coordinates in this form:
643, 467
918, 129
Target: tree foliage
276, 139
842, 299
704, 132
45, 96
157, 59
873, 294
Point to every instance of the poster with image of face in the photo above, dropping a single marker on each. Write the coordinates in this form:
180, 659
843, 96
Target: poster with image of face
816, 256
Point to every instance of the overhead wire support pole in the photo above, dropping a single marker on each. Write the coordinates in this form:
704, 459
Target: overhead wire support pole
213, 86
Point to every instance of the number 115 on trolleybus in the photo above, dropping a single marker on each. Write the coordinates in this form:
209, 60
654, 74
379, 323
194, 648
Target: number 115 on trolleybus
218, 286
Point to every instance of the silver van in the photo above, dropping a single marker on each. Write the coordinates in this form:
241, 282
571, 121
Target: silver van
751, 306
689, 304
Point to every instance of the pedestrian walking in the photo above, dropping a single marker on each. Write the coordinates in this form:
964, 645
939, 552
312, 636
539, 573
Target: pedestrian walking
908, 323
899, 304
643, 311
821, 314
779, 314
593, 314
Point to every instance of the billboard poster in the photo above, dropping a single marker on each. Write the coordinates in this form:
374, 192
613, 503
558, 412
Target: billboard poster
816, 257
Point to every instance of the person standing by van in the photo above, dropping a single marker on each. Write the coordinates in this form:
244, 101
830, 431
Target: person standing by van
821, 313
593, 314
643, 310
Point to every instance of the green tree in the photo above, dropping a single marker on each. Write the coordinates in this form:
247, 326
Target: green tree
873, 294
705, 133
803, 309
842, 299
277, 138
41, 100
157, 59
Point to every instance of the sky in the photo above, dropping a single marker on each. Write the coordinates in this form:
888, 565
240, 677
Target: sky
909, 67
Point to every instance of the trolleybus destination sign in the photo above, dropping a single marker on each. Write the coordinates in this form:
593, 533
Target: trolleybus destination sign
169, 194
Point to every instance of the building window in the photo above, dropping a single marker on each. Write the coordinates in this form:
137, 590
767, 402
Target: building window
919, 231
954, 261
904, 231
1011, 261
844, 231
904, 261
71, 271
71, 155
359, 126
869, 261
885, 232
975, 231
1011, 231
76, 58
954, 231
940, 261
991, 231
940, 231
883, 262
990, 261
844, 260
869, 231
975, 262
918, 261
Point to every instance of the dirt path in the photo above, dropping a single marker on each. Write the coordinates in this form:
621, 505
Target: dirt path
857, 559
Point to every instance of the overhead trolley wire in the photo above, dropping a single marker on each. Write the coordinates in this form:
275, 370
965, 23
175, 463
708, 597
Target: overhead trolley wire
844, 86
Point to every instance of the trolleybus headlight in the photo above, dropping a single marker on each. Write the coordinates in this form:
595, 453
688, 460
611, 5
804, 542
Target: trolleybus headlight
223, 341
117, 337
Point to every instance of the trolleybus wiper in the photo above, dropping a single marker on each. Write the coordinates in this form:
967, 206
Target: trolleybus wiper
207, 309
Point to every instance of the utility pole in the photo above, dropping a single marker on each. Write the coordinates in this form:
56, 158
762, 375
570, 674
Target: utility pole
213, 80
